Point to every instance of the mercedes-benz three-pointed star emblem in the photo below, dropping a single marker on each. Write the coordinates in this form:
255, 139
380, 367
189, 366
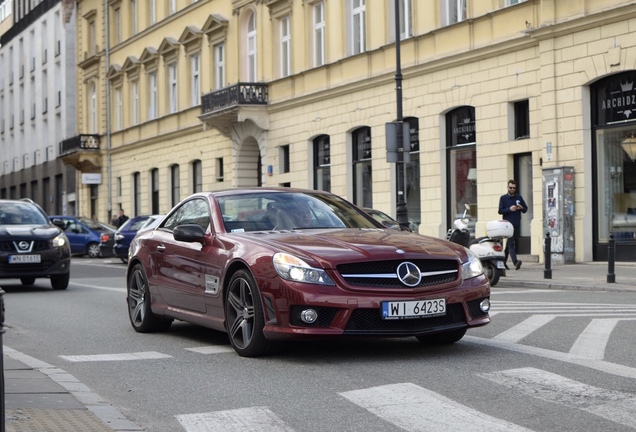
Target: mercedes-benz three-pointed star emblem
409, 274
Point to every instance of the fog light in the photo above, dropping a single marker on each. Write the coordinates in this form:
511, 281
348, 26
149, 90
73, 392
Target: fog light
309, 316
484, 305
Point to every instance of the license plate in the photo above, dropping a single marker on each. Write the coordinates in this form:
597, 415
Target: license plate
24, 259
413, 309
501, 265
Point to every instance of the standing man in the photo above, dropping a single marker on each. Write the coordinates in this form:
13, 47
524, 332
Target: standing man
121, 219
511, 205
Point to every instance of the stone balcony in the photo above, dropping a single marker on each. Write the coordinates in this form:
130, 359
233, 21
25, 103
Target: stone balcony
82, 152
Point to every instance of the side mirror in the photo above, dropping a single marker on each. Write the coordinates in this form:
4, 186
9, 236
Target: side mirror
58, 223
190, 233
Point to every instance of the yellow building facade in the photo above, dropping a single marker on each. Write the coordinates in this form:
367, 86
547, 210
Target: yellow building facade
181, 96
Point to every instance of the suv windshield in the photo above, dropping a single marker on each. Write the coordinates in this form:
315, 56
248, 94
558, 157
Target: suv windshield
21, 213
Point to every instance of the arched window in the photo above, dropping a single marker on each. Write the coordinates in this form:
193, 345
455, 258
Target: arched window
154, 191
362, 178
461, 146
322, 163
251, 47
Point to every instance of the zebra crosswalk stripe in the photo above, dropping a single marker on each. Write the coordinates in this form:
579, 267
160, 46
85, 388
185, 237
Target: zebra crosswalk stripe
416, 409
612, 405
254, 419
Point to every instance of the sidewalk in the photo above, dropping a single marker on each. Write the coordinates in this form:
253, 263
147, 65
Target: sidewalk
40, 397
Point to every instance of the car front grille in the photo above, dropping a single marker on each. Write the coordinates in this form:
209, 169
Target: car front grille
9, 245
369, 321
373, 274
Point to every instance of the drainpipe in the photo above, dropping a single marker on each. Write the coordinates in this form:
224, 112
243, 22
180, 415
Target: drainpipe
108, 141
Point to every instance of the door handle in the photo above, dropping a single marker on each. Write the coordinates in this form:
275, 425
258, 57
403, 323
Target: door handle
161, 248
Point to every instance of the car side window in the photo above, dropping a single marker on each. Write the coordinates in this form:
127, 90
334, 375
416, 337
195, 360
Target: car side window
195, 211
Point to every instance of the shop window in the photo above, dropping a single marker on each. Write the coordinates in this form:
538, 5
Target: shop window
322, 163
362, 171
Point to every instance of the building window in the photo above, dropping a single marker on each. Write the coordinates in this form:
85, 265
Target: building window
197, 176
285, 47
251, 48
283, 157
134, 94
412, 183
513, 2
362, 174
195, 80
117, 23
461, 147
175, 182
172, 88
358, 26
219, 169
152, 12
136, 193
322, 163
118, 109
154, 191
133, 17
92, 39
92, 126
319, 34
152, 96
219, 66
522, 119
453, 11
173, 6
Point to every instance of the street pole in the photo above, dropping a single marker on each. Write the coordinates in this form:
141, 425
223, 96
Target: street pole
401, 210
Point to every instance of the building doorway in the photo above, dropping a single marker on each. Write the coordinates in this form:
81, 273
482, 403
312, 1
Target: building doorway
523, 176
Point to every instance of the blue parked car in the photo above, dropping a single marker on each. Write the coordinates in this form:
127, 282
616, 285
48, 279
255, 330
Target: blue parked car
83, 234
127, 232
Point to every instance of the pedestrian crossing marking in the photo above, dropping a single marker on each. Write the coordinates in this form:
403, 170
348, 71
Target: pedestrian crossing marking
593, 341
211, 349
612, 405
416, 409
524, 328
254, 419
148, 355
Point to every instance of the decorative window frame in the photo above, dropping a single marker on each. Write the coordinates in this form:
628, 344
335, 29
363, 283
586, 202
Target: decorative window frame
215, 28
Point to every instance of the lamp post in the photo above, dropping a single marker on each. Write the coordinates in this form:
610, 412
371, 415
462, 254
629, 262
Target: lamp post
401, 209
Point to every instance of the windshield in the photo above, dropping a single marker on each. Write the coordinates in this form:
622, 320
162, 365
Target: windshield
21, 213
289, 210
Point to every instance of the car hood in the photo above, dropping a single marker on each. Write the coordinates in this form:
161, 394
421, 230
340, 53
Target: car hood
40, 231
331, 247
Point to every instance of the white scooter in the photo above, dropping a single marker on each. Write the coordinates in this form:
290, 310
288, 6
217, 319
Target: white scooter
488, 249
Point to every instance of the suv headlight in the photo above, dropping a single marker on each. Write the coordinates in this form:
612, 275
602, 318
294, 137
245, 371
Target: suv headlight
59, 241
294, 269
471, 268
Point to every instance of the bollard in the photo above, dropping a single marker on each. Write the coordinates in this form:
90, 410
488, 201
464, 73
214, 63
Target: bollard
1, 360
611, 248
547, 252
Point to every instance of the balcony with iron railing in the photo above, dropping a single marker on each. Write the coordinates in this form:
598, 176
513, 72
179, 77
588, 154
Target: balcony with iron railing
220, 108
82, 152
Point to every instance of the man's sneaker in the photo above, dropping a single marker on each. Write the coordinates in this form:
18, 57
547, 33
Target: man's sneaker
518, 265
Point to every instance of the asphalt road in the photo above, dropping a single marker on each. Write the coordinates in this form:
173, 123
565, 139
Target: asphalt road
550, 360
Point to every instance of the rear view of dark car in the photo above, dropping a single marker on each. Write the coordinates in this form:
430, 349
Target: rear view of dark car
128, 231
31, 246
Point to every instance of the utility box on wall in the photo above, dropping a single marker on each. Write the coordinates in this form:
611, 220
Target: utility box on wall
558, 213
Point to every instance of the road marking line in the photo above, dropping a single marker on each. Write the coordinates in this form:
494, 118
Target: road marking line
592, 342
416, 409
497, 291
211, 349
254, 419
599, 365
524, 328
612, 405
148, 355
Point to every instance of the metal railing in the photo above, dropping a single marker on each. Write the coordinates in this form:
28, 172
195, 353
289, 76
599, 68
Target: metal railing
79, 142
235, 95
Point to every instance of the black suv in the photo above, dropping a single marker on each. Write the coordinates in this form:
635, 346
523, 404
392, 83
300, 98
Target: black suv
31, 246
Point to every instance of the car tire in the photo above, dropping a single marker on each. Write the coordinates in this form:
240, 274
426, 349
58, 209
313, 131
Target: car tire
244, 318
443, 338
138, 299
60, 282
27, 281
493, 273
92, 250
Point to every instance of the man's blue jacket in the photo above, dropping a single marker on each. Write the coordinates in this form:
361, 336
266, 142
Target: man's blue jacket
514, 217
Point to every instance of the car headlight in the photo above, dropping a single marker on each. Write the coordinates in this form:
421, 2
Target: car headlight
59, 241
471, 268
294, 269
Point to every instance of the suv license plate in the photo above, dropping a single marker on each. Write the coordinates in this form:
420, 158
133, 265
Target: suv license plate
24, 259
413, 309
